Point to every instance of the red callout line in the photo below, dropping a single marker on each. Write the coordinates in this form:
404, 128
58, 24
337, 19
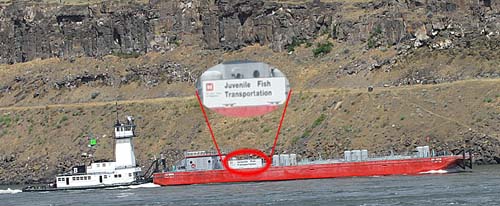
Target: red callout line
208, 124
281, 123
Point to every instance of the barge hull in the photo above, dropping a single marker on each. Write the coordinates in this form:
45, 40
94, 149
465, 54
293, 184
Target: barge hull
313, 171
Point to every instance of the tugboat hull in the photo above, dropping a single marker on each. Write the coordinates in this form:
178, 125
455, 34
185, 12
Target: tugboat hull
46, 188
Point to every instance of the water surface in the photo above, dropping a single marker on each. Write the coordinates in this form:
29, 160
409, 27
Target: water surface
480, 187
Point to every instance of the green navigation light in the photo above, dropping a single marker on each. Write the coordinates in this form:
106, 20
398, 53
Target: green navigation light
93, 142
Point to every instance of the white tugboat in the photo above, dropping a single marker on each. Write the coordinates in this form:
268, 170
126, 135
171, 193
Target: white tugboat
122, 172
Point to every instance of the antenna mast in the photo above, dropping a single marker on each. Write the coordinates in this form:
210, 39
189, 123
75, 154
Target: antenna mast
117, 121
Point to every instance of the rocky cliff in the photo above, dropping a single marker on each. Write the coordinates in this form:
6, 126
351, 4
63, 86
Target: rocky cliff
30, 31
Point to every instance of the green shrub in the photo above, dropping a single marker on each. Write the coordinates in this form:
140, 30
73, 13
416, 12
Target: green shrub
322, 48
94, 95
295, 43
370, 43
177, 42
40, 141
377, 30
5, 120
306, 133
295, 140
325, 32
348, 128
63, 119
124, 55
488, 100
318, 121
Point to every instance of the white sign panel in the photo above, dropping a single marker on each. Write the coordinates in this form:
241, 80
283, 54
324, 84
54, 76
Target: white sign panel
245, 164
244, 92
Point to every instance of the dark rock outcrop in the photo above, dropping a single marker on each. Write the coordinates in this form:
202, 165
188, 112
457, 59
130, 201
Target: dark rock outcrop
30, 31
151, 75
486, 148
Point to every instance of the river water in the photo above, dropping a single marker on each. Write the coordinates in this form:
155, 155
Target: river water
479, 187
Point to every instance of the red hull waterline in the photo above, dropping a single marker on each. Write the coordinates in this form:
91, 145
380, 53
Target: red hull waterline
313, 171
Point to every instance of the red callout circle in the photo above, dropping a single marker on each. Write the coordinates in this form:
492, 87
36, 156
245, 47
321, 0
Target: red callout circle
247, 172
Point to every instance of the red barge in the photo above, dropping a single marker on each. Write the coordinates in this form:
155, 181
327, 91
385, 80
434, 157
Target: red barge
205, 168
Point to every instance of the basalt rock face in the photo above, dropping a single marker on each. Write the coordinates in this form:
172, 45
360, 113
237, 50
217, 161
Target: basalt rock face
234, 24
30, 31
42, 31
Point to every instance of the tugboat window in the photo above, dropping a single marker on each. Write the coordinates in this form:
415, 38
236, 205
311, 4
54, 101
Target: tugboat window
89, 178
73, 178
130, 174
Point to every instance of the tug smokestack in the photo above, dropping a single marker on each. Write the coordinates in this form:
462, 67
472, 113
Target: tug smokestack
163, 163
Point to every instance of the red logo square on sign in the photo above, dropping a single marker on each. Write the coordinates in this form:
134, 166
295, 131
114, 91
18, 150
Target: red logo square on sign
210, 87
